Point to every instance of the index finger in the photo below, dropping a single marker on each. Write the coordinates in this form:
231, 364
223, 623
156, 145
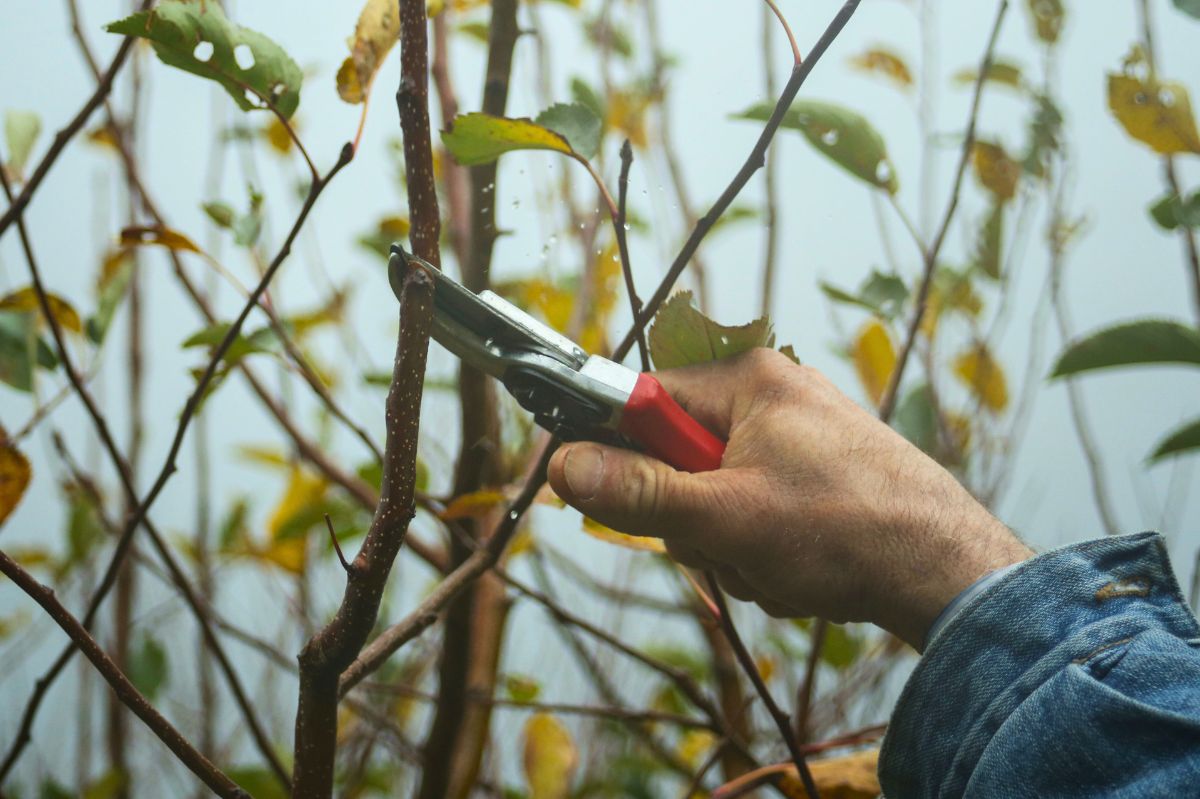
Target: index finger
714, 393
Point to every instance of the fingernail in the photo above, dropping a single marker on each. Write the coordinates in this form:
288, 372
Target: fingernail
584, 469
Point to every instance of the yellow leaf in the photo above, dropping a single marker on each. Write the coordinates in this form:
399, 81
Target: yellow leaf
643, 544
766, 666
996, 170
263, 456
26, 300
164, 237
287, 547
606, 277
1156, 113
886, 63
30, 557
10, 624
112, 266
14, 476
549, 758
980, 372
377, 30
851, 776
874, 359
521, 543
477, 503
276, 134
694, 745
102, 137
627, 114
481, 138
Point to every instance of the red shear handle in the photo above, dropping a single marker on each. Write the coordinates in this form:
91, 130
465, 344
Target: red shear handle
654, 420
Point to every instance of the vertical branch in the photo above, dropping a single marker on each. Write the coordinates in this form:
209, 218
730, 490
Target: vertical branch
619, 227
887, 403
747, 662
771, 192
330, 651
124, 689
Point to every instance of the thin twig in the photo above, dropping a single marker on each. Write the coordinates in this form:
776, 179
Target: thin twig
619, 227
796, 57
887, 403
337, 547
808, 685
754, 161
66, 134
129, 695
747, 662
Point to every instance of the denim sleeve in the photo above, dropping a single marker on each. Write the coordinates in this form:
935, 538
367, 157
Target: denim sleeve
1075, 675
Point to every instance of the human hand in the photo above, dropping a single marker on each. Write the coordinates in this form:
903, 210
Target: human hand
818, 509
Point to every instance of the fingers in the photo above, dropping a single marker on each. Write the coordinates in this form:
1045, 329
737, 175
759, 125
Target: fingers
714, 392
628, 491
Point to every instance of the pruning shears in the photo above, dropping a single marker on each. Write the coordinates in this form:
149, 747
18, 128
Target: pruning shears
574, 395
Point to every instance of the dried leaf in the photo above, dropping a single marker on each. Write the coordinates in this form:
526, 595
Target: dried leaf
550, 757
1048, 18
980, 372
1155, 113
15, 473
848, 777
163, 237
874, 359
882, 61
996, 171
26, 301
641, 543
378, 29
1004, 73
472, 505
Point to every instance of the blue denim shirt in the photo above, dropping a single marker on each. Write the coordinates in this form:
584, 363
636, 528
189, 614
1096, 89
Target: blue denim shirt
1076, 674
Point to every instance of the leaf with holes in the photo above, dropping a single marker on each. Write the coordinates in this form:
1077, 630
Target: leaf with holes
843, 135
1184, 439
874, 359
139, 236
378, 29
26, 301
482, 138
1148, 341
1155, 113
576, 123
196, 36
681, 335
882, 61
549, 757
984, 376
15, 473
21, 129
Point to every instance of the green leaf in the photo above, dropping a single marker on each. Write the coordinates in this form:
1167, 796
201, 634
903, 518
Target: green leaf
148, 667
881, 294
482, 138
234, 528
915, 418
841, 134
262, 340
110, 785
575, 122
1189, 7
1179, 441
84, 530
252, 68
521, 688
584, 94
220, 213
21, 350
841, 647
258, 782
21, 129
1148, 341
1171, 211
681, 335
51, 789
115, 275
989, 242
475, 30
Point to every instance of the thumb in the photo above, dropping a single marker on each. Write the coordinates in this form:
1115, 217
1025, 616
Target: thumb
627, 491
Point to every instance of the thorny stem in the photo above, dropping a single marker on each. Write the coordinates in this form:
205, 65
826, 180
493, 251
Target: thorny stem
635, 304
199, 765
747, 662
887, 403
